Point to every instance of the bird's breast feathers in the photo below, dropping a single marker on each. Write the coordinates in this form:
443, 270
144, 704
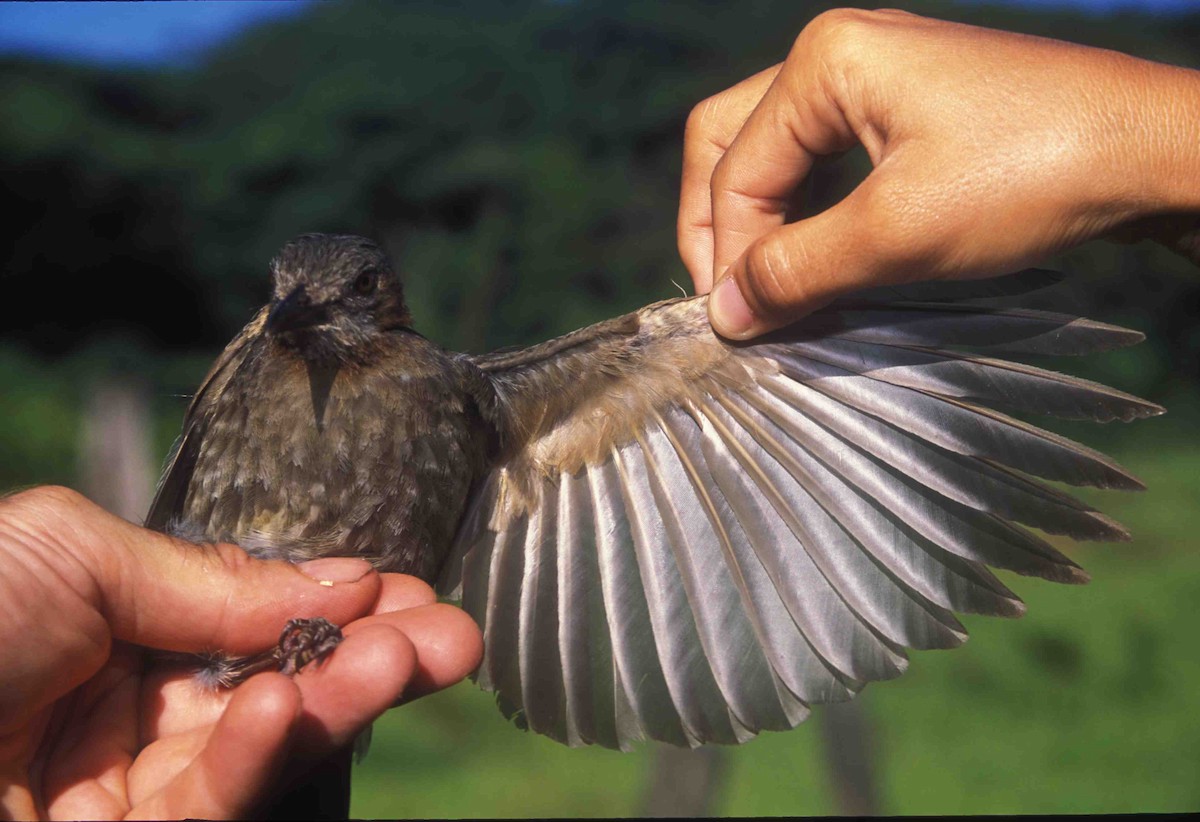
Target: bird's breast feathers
302, 460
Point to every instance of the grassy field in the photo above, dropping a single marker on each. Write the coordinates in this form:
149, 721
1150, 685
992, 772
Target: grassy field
1088, 704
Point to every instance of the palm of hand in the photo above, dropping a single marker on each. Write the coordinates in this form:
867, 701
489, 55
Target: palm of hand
143, 739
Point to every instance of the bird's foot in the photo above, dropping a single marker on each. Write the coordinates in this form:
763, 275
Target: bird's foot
304, 641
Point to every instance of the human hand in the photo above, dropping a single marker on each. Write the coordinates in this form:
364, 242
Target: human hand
91, 726
991, 150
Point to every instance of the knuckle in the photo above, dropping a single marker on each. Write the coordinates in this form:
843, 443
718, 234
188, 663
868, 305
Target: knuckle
835, 25
700, 116
52, 497
46, 504
837, 35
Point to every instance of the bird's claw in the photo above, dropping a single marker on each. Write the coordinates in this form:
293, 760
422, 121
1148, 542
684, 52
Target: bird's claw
304, 641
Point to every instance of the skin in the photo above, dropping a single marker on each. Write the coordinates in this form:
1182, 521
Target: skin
991, 151
93, 726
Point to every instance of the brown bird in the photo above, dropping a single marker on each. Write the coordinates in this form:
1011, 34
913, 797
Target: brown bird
663, 535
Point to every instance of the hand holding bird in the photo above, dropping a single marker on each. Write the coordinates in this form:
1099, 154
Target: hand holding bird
93, 728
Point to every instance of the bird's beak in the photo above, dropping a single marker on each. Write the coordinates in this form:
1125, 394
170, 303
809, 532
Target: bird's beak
295, 312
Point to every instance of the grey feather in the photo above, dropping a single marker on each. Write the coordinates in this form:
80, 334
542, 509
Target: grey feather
716, 588
635, 649
978, 379
990, 288
902, 529
956, 528
588, 668
540, 664
689, 676
976, 483
500, 669
873, 590
933, 325
795, 666
965, 429
848, 650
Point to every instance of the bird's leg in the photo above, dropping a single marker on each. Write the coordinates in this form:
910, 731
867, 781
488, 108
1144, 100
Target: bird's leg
302, 641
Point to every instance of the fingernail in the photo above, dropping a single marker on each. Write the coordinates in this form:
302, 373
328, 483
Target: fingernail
329, 570
728, 311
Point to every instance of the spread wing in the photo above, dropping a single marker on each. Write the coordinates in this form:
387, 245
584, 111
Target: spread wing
692, 541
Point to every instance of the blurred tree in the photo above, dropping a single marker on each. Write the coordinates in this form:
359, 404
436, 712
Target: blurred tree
505, 153
94, 209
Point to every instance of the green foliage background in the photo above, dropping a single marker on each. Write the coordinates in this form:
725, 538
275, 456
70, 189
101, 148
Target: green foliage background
521, 163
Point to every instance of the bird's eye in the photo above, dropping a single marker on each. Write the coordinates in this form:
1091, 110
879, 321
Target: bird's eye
366, 281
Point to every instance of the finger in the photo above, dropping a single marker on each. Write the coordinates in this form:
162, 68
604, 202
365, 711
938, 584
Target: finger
236, 769
447, 641
401, 591
90, 743
374, 664
798, 268
755, 181
166, 593
711, 127
177, 701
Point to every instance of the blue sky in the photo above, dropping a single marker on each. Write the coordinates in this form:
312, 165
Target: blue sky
131, 33
163, 33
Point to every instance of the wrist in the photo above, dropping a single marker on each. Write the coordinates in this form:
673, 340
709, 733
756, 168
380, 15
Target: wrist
1159, 148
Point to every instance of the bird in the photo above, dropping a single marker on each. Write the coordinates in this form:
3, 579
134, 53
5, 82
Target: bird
663, 534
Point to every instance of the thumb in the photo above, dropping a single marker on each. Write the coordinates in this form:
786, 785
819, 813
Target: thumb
798, 268
161, 592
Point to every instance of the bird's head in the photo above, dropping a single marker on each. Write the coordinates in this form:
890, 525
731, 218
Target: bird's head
333, 297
